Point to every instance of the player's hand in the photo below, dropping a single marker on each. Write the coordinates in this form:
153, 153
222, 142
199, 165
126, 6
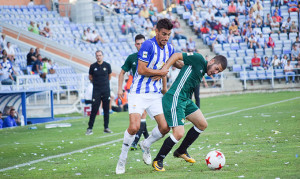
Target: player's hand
163, 91
164, 71
156, 78
120, 93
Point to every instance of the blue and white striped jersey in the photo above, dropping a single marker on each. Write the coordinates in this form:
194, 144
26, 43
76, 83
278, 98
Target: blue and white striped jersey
156, 57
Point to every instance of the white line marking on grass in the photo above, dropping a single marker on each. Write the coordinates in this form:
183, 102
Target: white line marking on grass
60, 155
219, 111
117, 140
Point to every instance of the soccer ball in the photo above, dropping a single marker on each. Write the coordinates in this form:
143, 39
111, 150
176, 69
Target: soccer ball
215, 160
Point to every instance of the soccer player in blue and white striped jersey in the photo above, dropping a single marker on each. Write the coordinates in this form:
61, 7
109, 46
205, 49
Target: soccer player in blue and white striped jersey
146, 91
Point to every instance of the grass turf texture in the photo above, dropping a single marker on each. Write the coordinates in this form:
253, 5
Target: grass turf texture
257, 143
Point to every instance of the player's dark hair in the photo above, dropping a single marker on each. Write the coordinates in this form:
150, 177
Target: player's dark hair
139, 36
164, 24
99, 51
220, 59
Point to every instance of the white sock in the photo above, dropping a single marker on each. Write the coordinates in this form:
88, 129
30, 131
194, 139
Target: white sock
127, 141
155, 136
143, 120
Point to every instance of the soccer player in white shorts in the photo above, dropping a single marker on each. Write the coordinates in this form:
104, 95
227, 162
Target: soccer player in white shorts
146, 93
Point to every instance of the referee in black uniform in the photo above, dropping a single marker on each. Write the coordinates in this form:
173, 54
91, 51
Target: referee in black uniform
100, 74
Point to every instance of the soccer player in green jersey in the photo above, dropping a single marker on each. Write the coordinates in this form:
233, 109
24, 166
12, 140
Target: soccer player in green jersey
178, 106
130, 64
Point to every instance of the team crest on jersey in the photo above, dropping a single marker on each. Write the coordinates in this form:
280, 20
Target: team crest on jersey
190, 53
201, 71
145, 54
96, 69
104, 69
182, 120
133, 63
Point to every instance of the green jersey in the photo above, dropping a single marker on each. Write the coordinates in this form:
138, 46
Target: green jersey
190, 75
130, 63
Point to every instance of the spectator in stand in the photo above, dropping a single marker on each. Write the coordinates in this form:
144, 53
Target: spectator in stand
267, 63
10, 52
140, 20
234, 29
30, 57
236, 21
248, 7
3, 41
211, 38
45, 33
191, 45
33, 28
276, 2
216, 12
244, 29
277, 17
189, 6
145, 12
208, 3
297, 42
252, 42
276, 63
268, 21
170, 16
258, 21
220, 37
261, 41
277, 10
192, 18
214, 24
10, 121
284, 61
289, 71
95, 38
152, 32
297, 66
241, 10
124, 28
292, 4
197, 24
275, 26
84, 36
295, 52
257, 5
250, 20
198, 5
51, 67
148, 24
31, 3
285, 27
178, 32
224, 20
258, 11
232, 9
204, 29
271, 43
8, 66
129, 9
37, 65
293, 27
154, 18
151, 10
5, 76
218, 4
256, 63
230, 37
131, 27
209, 15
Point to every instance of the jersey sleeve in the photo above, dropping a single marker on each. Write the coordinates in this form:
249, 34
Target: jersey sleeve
146, 51
91, 71
127, 65
171, 50
194, 59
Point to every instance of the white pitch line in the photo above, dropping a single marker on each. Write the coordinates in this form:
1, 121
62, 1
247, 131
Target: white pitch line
117, 140
60, 155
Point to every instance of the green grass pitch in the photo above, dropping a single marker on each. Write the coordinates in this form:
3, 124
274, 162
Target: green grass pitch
258, 134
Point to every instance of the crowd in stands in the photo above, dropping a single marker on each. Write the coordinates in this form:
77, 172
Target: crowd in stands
254, 33
37, 29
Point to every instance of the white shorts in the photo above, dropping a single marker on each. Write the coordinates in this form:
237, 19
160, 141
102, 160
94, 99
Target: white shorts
152, 103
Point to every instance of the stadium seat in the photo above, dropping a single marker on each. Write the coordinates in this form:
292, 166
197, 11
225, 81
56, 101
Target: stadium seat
252, 75
260, 52
239, 60
236, 68
186, 15
244, 75
287, 44
243, 46
286, 50
292, 36
274, 37
268, 52
241, 53
248, 59
277, 51
230, 61
279, 74
232, 53
235, 46
283, 36
250, 52
261, 75
226, 47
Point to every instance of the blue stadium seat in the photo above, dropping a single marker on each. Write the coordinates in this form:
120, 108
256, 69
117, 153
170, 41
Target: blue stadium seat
244, 75
261, 75
232, 53
274, 36
243, 46
252, 75
286, 50
279, 74
269, 74
248, 59
235, 46
241, 53
236, 68
283, 36
277, 51
260, 51
250, 52
268, 52
230, 61
239, 60
226, 47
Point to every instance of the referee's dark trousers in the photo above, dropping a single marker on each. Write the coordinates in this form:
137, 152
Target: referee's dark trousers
99, 96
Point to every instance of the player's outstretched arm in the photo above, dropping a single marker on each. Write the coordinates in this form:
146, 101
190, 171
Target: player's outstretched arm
143, 70
173, 59
120, 84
